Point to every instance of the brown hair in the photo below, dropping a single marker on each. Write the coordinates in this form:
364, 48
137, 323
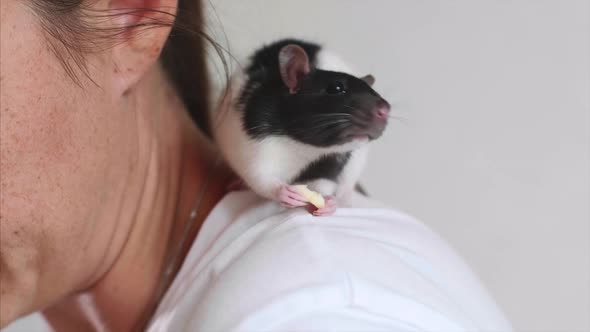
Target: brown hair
73, 36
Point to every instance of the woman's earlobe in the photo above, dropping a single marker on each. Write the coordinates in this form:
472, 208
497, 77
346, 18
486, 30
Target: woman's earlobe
143, 27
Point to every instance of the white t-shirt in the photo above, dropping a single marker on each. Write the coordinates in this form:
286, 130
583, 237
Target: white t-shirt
258, 267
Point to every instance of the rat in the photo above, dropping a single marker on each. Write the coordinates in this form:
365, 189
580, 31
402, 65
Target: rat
294, 116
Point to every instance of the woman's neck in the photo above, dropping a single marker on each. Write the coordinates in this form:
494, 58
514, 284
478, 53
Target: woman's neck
175, 164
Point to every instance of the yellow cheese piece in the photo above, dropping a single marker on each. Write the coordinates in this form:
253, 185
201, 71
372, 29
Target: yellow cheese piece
311, 196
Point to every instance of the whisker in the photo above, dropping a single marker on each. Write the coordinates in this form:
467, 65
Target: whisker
350, 107
399, 118
322, 127
334, 115
326, 124
325, 121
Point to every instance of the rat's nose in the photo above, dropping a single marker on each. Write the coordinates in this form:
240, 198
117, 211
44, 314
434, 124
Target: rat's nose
382, 110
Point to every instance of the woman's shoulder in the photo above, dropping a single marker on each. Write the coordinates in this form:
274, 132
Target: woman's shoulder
256, 265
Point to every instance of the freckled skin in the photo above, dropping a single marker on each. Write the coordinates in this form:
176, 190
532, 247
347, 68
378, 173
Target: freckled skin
56, 169
88, 176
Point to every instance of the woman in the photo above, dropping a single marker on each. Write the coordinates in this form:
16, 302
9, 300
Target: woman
106, 182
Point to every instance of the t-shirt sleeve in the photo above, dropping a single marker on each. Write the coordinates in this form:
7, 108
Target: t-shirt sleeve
262, 268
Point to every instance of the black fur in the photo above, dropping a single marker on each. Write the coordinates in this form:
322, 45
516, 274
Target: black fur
327, 167
313, 115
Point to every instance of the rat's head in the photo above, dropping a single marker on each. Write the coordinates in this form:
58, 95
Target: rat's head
326, 108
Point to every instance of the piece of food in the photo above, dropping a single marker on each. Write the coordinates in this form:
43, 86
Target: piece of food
311, 196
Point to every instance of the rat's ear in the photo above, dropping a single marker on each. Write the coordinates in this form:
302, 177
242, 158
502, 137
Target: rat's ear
143, 27
294, 66
369, 79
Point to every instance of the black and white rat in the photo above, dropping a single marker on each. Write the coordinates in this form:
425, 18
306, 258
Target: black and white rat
294, 116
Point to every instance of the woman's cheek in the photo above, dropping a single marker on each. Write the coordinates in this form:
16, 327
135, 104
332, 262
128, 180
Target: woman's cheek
63, 148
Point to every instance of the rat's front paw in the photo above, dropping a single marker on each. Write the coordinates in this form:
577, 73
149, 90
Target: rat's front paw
290, 196
328, 209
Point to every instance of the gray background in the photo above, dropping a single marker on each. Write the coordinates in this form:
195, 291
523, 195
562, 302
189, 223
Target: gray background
494, 152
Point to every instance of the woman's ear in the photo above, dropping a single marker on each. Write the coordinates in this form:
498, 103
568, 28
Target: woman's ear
142, 29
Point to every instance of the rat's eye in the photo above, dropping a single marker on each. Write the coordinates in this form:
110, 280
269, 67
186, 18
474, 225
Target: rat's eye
336, 88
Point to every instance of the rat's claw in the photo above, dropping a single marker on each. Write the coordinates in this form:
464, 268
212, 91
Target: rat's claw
328, 209
289, 196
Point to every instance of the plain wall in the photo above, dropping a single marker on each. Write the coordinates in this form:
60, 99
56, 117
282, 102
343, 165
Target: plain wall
494, 149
